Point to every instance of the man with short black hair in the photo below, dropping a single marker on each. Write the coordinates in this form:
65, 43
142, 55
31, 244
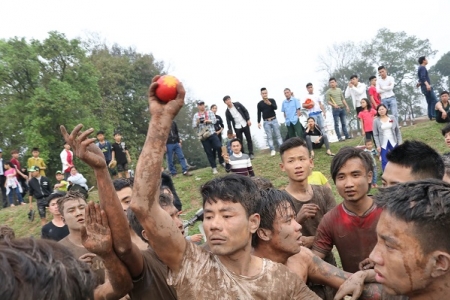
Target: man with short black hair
238, 119
121, 155
40, 189
173, 145
105, 146
357, 91
412, 256
267, 107
56, 229
425, 86
374, 97
385, 86
314, 105
292, 111
335, 98
412, 160
442, 108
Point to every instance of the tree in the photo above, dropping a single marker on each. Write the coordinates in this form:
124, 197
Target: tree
440, 73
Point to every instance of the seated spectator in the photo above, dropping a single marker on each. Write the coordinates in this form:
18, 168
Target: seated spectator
61, 184
315, 138
77, 182
12, 184
238, 162
442, 108
56, 229
317, 178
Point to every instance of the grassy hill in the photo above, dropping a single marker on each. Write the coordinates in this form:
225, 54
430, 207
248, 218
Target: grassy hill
264, 165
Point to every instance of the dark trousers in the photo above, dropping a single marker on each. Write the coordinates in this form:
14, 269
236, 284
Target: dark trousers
2, 186
431, 98
209, 144
245, 130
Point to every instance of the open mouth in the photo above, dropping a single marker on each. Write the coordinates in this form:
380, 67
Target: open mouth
80, 221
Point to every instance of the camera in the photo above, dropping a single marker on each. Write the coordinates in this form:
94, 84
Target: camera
202, 120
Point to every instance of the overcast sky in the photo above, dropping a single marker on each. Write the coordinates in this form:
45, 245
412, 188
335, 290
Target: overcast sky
233, 47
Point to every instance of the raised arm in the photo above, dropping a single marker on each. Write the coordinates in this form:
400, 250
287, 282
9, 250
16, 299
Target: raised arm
85, 149
163, 234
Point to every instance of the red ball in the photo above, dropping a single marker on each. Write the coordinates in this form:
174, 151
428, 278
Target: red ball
167, 88
309, 103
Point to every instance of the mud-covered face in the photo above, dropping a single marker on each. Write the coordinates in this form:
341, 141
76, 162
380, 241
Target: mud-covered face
74, 213
286, 233
297, 163
125, 197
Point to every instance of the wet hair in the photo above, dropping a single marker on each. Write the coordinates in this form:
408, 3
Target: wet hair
423, 160
446, 159
292, 143
309, 84
43, 269
236, 140
6, 232
165, 200
262, 183
444, 92
226, 98
421, 59
55, 195
272, 201
232, 188
15, 151
263, 89
353, 76
445, 130
381, 68
372, 77
69, 196
368, 105
378, 107
331, 79
347, 153
121, 183
425, 204
135, 224
164, 188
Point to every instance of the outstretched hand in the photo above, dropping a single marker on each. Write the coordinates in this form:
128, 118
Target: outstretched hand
96, 235
84, 147
159, 108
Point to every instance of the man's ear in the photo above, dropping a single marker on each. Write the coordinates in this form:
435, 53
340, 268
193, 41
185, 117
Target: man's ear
254, 221
264, 234
144, 235
441, 264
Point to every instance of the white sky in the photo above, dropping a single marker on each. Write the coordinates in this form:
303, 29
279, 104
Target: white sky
233, 47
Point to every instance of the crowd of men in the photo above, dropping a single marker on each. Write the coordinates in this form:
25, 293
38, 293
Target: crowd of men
262, 243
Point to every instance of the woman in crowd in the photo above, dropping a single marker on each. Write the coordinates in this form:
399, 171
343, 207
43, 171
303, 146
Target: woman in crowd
315, 138
366, 116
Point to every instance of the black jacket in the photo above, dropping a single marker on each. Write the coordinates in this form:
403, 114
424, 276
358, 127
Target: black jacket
173, 138
241, 109
39, 190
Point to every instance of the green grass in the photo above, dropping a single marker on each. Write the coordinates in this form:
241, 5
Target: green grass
264, 165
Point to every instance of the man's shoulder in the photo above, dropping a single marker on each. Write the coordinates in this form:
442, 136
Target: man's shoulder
66, 242
333, 214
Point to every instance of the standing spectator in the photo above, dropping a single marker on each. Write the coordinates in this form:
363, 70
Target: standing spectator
35, 160
425, 87
15, 161
56, 229
366, 116
218, 127
267, 107
373, 94
238, 162
40, 189
385, 86
105, 146
121, 155
237, 115
335, 98
314, 105
374, 153
292, 111
67, 160
204, 122
386, 133
357, 91
315, 138
173, 145
3, 180
443, 108
12, 184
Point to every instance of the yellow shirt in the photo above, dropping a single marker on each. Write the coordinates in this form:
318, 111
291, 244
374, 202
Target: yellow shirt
64, 187
37, 162
317, 178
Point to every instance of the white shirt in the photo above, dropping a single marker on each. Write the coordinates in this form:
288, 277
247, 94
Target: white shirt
2, 172
385, 87
357, 93
239, 121
317, 100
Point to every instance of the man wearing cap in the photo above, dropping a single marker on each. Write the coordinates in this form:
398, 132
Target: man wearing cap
3, 179
40, 189
204, 121
61, 184
67, 160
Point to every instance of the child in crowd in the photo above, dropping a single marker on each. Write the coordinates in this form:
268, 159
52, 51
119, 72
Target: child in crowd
35, 160
12, 184
366, 116
121, 155
374, 153
62, 184
238, 162
230, 136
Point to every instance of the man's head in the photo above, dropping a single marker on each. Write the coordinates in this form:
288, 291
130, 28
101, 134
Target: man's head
354, 79
296, 161
53, 202
412, 256
166, 203
287, 93
412, 160
227, 101
262, 183
446, 159
35, 152
444, 95
278, 228
230, 206
332, 82
124, 190
373, 80
382, 72
201, 105
446, 133
422, 61
101, 135
309, 88
15, 153
352, 171
72, 209
236, 145
229, 133
264, 93
43, 269
34, 171
117, 137
59, 175
6, 232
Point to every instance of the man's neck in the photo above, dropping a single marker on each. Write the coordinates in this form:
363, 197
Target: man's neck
438, 289
297, 187
383, 77
75, 237
264, 250
57, 221
359, 207
242, 262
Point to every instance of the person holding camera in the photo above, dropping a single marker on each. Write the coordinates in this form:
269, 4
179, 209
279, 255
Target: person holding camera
204, 122
40, 188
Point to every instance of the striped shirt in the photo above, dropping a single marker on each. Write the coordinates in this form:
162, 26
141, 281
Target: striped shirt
207, 115
240, 164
